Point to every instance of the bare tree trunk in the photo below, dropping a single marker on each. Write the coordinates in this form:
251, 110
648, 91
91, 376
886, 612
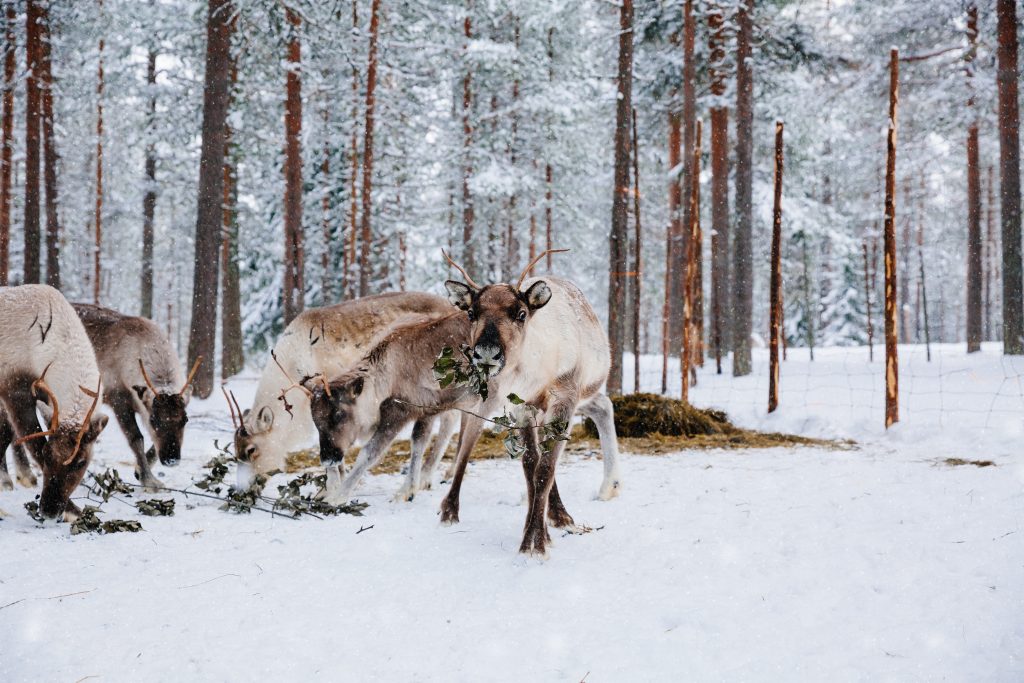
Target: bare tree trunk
991, 257
367, 197
637, 261
689, 118
49, 153
232, 355
294, 287
974, 246
867, 304
511, 237
548, 172
6, 153
690, 283
1009, 172
209, 214
32, 120
921, 279
775, 303
720, 282
97, 278
619, 237
468, 245
675, 261
149, 198
892, 413
743, 251
326, 272
348, 276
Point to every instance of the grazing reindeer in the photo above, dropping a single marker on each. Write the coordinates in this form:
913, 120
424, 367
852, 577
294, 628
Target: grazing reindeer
47, 356
324, 341
541, 340
141, 375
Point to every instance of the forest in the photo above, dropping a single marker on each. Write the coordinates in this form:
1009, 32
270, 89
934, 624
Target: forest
219, 168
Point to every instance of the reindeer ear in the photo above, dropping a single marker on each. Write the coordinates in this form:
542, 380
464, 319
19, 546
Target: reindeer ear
352, 389
141, 391
265, 418
538, 295
96, 426
459, 294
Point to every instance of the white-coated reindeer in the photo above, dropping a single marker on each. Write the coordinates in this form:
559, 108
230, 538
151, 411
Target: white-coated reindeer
46, 356
320, 341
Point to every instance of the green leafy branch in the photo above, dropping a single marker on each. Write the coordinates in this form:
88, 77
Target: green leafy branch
450, 370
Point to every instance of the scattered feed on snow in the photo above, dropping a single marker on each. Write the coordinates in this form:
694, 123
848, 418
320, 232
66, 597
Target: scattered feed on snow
957, 462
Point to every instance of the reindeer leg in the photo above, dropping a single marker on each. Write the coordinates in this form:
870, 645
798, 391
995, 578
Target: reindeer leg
393, 417
471, 428
420, 438
23, 468
535, 536
449, 423
6, 437
124, 413
599, 409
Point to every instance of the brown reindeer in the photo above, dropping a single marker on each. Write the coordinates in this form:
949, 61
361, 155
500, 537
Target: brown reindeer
541, 340
47, 357
141, 376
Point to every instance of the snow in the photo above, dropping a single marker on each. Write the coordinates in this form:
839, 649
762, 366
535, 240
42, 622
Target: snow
780, 564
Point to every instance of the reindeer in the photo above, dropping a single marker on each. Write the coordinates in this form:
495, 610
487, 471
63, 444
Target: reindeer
319, 341
141, 376
539, 339
393, 386
47, 357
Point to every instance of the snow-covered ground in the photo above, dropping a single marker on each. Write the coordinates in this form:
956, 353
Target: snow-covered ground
873, 564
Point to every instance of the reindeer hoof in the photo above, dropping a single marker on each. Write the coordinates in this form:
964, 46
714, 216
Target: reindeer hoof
26, 479
609, 490
560, 519
535, 543
404, 495
5, 483
449, 513
151, 455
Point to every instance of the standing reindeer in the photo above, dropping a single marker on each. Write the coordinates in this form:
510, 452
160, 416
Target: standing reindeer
323, 341
394, 384
540, 339
141, 375
47, 357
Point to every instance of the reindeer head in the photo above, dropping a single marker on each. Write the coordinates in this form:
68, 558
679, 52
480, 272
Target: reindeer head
67, 452
167, 414
498, 313
334, 407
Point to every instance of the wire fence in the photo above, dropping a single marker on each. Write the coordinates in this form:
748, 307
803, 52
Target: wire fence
841, 391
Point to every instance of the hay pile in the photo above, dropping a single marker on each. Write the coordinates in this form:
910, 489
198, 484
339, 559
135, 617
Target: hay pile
646, 424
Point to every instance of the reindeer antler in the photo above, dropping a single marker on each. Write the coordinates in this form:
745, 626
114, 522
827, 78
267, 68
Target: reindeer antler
469, 280
145, 376
231, 408
191, 375
284, 372
526, 271
88, 416
54, 418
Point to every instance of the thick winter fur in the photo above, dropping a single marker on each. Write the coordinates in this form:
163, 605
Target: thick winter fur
544, 343
40, 332
326, 340
120, 341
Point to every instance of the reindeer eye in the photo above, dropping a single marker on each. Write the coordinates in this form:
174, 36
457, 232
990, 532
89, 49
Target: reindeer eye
471, 315
522, 316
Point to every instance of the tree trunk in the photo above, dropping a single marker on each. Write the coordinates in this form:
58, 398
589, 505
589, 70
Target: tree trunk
348, 274
690, 283
97, 277
867, 303
775, 296
675, 257
974, 246
149, 198
209, 214
1009, 176
371, 86
720, 283
6, 152
32, 120
232, 354
548, 172
991, 258
511, 238
49, 153
637, 261
891, 361
294, 287
619, 237
921, 279
326, 271
468, 246
689, 135
743, 252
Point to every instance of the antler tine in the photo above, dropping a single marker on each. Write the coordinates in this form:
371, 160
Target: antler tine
54, 418
237, 407
88, 416
231, 408
469, 280
288, 377
191, 375
526, 271
327, 385
145, 377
